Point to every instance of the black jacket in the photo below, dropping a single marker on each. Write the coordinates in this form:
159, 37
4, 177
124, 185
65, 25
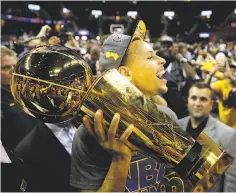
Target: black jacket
47, 158
15, 124
14, 176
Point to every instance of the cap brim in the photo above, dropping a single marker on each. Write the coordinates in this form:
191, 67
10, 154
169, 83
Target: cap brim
138, 31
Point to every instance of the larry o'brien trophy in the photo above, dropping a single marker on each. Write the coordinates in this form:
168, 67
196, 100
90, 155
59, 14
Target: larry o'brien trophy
156, 134
54, 84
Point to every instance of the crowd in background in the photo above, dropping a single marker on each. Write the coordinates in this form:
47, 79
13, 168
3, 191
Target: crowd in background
185, 63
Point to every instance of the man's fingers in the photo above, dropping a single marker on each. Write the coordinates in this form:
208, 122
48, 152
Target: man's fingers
113, 128
98, 127
124, 137
87, 123
103, 122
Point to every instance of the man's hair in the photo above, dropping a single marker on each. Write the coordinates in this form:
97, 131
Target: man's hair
182, 45
203, 85
95, 49
6, 52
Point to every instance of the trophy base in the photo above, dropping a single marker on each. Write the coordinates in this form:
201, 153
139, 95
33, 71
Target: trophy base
207, 180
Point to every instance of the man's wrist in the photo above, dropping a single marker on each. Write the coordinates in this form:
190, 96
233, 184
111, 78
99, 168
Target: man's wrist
122, 159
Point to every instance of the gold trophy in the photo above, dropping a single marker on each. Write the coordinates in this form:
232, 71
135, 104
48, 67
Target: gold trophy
49, 82
156, 135
55, 84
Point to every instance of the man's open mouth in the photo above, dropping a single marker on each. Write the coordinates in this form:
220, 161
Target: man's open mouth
160, 74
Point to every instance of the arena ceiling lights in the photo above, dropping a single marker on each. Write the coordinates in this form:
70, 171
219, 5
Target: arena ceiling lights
96, 13
206, 13
204, 35
34, 7
132, 14
65, 10
169, 14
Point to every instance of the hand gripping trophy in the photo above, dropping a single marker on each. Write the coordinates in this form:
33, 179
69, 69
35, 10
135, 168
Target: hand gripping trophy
55, 84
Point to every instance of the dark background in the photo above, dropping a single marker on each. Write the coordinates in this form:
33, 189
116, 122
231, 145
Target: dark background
187, 13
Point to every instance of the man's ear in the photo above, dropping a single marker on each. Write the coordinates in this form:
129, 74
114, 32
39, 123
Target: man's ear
126, 72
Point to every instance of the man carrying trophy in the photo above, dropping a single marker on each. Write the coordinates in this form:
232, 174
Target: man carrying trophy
103, 158
144, 69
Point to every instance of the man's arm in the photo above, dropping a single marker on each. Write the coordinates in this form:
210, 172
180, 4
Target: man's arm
121, 154
116, 177
210, 75
190, 71
87, 171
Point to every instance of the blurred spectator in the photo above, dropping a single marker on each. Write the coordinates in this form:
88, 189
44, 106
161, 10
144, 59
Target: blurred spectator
15, 124
39, 40
46, 149
204, 57
89, 45
224, 89
54, 40
93, 59
217, 69
175, 66
231, 50
222, 47
71, 42
213, 49
184, 51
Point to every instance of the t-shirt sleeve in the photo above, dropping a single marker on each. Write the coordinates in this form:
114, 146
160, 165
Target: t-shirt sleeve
89, 162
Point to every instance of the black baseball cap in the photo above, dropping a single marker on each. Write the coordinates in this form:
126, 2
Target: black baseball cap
116, 45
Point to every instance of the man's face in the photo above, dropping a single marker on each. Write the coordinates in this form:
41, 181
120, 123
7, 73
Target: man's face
221, 62
147, 68
183, 50
203, 53
199, 102
7, 65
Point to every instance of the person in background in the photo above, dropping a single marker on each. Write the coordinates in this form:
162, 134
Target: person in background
199, 120
46, 149
204, 57
225, 90
40, 39
93, 59
175, 67
71, 42
216, 69
14, 124
183, 50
